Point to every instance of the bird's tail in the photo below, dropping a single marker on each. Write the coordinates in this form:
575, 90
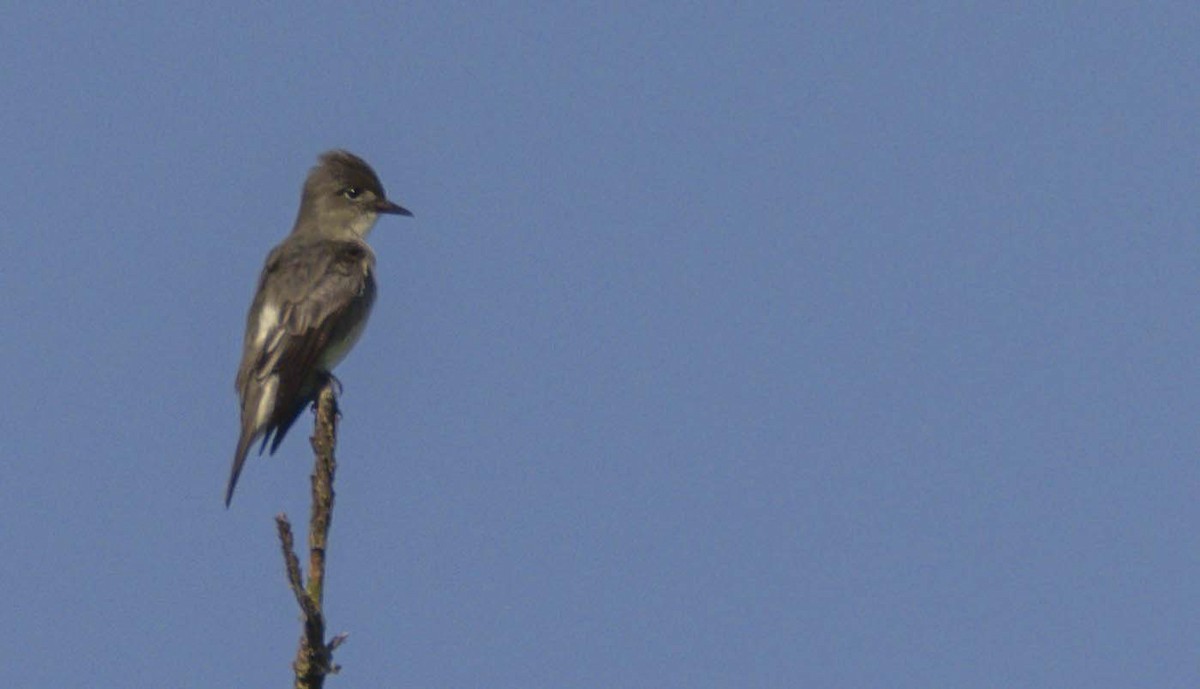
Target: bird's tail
258, 404
239, 460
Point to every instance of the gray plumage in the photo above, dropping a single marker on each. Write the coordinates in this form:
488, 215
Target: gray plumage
313, 299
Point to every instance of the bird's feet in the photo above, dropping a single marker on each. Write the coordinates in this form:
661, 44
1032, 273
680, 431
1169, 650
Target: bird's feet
331, 379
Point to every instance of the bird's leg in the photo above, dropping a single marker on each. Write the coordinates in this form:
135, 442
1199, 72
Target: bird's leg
325, 378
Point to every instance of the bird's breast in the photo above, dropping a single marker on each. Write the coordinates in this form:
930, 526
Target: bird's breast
353, 322
338, 349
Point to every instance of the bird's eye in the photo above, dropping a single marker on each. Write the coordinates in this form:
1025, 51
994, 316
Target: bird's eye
351, 192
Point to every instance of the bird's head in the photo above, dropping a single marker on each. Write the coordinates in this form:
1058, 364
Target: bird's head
343, 197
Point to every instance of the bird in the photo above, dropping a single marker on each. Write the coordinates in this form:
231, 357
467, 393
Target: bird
314, 295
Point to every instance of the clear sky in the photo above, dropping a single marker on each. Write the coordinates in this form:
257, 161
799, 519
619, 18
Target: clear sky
732, 345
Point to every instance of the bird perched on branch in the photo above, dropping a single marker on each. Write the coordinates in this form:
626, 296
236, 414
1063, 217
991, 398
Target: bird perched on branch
314, 295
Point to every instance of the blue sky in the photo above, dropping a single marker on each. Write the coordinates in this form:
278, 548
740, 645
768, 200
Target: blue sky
732, 345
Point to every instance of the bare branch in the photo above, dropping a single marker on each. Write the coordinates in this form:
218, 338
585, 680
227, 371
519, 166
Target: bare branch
314, 658
323, 442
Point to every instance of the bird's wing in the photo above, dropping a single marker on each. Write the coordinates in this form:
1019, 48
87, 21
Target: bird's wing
309, 297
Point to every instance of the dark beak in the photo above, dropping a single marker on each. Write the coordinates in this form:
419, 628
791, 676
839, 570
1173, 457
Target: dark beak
385, 206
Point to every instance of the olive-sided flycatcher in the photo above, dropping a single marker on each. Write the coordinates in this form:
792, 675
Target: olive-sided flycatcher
313, 299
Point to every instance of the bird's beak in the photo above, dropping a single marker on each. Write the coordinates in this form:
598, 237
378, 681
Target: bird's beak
385, 206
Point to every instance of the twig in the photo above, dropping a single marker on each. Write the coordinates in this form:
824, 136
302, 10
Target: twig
323, 442
314, 658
